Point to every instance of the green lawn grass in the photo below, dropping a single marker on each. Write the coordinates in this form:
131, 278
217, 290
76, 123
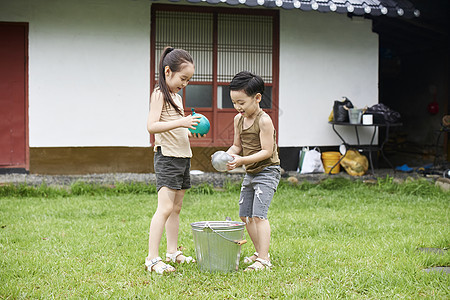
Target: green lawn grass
336, 239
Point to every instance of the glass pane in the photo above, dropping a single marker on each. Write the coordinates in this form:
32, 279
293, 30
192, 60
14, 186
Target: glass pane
198, 95
191, 31
223, 93
266, 101
244, 42
224, 100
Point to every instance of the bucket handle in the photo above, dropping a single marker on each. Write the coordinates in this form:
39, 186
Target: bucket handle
238, 242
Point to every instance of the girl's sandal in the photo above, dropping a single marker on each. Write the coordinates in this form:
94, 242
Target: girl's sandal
151, 266
173, 258
249, 260
260, 264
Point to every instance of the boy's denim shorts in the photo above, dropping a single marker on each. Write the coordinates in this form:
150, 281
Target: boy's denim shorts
257, 192
172, 172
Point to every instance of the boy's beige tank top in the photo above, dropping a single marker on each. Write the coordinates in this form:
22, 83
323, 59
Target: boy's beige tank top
174, 142
251, 144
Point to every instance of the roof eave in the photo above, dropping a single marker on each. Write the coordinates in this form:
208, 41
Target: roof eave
389, 8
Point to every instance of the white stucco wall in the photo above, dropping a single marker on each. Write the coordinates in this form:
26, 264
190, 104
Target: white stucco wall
89, 67
89, 74
322, 58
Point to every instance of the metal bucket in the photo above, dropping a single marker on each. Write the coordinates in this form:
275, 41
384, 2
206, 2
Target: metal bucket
218, 244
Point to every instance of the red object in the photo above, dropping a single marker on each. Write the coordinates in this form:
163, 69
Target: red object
13, 95
433, 107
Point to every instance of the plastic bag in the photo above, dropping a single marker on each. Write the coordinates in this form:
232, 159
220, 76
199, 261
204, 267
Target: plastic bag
354, 163
301, 157
312, 162
383, 114
340, 110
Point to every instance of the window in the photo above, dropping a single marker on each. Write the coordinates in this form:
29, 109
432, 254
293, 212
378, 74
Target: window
222, 43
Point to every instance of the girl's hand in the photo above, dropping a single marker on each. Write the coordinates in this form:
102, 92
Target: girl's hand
190, 121
235, 163
196, 135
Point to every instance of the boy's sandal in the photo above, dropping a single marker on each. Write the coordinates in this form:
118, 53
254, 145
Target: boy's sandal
173, 258
150, 266
259, 264
249, 260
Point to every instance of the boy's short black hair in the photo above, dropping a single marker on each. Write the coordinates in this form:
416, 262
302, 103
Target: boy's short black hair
250, 83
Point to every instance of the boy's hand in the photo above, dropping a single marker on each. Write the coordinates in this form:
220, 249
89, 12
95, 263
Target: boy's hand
235, 163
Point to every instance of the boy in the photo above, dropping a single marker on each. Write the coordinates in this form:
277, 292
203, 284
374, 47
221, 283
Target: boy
255, 138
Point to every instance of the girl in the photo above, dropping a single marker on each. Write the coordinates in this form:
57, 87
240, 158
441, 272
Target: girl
172, 155
254, 137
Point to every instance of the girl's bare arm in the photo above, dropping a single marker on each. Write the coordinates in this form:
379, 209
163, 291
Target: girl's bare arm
153, 123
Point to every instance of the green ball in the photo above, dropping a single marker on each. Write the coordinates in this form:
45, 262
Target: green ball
202, 127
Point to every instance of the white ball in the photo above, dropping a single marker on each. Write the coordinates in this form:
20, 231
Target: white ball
220, 159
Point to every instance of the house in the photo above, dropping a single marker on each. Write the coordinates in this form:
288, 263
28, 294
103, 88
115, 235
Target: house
76, 76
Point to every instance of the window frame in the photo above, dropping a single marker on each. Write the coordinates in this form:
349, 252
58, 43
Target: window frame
213, 139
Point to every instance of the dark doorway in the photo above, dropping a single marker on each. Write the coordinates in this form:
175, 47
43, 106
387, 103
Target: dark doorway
414, 80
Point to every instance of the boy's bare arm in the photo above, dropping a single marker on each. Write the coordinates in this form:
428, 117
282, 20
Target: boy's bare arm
266, 139
236, 148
